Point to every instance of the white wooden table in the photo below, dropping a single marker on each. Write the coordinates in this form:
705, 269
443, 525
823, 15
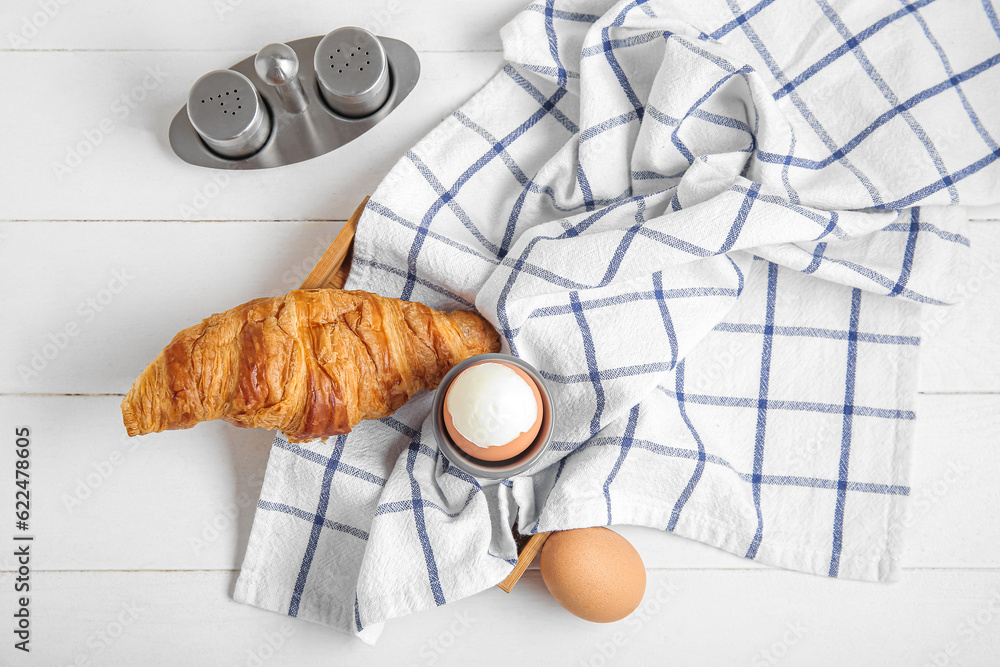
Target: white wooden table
109, 244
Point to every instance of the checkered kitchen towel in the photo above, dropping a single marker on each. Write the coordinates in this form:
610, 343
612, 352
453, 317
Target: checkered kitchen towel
700, 221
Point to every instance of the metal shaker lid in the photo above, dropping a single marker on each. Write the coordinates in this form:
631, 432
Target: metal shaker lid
353, 71
226, 110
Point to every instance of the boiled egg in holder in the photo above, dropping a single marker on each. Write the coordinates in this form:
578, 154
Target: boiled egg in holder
493, 416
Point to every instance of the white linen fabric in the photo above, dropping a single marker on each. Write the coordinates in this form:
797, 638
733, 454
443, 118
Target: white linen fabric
711, 227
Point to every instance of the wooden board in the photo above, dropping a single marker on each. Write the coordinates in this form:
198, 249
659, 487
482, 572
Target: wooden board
167, 263
334, 266
185, 500
145, 532
110, 159
223, 25
688, 617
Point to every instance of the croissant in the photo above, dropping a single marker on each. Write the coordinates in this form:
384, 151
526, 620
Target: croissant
312, 363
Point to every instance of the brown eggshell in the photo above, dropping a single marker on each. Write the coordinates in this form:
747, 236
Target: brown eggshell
502, 452
594, 573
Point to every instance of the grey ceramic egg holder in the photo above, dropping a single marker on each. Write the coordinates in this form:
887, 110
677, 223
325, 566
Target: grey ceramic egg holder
520, 463
293, 102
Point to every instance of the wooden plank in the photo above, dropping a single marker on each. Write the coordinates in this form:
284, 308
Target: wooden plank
984, 212
101, 500
687, 617
334, 266
961, 352
193, 25
110, 160
169, 264
107, 297
185, 500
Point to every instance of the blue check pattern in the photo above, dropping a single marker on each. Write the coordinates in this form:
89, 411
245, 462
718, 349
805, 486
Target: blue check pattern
712, 229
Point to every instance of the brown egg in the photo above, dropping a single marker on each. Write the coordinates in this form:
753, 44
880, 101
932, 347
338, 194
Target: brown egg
500, 452
594, 573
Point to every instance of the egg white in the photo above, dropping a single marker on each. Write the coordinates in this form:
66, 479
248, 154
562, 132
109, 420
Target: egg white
491, 405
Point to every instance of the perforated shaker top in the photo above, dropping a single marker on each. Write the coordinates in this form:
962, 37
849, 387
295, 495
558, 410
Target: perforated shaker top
353, 71
222, 105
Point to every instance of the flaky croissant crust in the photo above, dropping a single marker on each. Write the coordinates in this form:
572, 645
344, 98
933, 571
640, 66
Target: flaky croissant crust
311, 363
